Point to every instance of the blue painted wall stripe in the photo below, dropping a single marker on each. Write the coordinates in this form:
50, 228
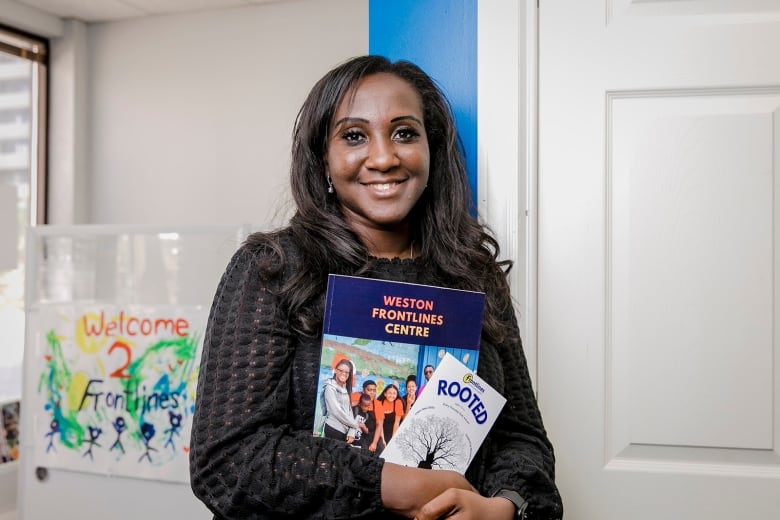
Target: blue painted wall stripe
441, 37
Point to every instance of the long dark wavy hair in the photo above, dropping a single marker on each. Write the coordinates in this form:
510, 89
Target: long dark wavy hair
459, 250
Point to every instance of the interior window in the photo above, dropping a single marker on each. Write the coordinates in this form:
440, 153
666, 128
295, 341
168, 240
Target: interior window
23, 61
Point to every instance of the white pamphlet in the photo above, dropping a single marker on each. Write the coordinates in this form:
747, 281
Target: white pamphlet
448, 422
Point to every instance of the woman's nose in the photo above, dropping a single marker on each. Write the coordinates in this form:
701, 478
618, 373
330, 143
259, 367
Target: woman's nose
382, 155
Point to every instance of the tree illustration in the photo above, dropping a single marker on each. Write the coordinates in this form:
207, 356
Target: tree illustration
434, 442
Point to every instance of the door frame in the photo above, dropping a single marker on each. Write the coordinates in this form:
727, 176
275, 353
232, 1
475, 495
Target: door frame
507, 175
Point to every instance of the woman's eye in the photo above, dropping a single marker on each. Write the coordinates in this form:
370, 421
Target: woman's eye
406, 134
352, 136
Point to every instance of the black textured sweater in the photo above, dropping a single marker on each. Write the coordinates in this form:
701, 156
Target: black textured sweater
253, 455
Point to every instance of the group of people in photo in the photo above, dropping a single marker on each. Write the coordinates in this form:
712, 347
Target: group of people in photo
362, 418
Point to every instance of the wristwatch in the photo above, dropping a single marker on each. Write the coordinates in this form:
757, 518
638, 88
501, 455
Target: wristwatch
520, 503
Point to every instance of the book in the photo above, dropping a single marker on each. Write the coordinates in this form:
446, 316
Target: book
448, 423
377, 335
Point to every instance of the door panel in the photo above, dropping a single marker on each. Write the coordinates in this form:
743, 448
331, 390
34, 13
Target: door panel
658, 230
689, 251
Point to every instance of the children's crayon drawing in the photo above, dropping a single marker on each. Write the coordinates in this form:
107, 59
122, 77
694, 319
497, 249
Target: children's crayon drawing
115, 388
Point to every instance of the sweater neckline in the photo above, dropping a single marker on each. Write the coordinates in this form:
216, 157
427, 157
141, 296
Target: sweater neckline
394, 260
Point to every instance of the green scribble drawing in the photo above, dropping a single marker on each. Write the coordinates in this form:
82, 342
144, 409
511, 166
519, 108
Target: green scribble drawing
56, 379
165, 367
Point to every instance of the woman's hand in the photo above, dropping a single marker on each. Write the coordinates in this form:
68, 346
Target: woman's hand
372, 447
405, 491
466, 505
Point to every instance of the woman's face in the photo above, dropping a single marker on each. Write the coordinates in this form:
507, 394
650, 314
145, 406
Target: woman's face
377, 154
411, 387
342, 373
391, 394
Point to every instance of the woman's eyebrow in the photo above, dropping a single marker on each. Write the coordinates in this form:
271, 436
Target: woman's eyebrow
401, 118
350, 120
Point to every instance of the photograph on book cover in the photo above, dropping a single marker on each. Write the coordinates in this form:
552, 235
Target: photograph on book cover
382, 364
379, 335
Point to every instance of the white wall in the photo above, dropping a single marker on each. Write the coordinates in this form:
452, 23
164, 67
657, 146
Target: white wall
191, 115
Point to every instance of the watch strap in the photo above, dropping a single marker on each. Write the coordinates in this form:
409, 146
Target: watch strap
521, 504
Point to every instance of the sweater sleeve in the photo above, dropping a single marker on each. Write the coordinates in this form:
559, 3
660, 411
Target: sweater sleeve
520, 456
247, 461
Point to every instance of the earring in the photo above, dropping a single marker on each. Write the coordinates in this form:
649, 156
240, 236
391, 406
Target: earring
330, 186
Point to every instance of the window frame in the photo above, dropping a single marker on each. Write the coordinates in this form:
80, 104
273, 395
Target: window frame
35, 49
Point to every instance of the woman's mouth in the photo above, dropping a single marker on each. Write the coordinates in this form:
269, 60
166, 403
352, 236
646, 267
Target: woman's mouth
382, 188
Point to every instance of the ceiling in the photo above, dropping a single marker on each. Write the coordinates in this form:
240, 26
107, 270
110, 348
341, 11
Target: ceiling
108, 10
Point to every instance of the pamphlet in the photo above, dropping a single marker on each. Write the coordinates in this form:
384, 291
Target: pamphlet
448, 423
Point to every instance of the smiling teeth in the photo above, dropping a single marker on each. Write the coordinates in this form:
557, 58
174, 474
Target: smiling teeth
383, 187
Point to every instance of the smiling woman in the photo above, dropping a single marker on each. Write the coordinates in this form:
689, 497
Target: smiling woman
340, 422
381, 191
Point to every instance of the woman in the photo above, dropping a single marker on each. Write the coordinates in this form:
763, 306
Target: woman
392, 411
340, 422
381, 191
411, 394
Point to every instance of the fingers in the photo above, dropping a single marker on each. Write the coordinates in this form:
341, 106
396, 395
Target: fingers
444, 505
406, 490
466, 505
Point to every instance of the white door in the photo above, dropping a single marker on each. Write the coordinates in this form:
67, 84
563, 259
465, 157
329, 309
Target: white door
658, 258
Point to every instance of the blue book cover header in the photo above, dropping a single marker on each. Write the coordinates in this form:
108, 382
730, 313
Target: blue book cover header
403, 312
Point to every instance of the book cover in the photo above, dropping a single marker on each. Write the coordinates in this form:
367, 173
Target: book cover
379, 334
448, 423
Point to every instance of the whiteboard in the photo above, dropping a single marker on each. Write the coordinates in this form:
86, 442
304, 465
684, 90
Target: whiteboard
113, 266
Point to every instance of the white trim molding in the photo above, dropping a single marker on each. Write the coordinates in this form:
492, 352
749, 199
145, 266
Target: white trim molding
506, 146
